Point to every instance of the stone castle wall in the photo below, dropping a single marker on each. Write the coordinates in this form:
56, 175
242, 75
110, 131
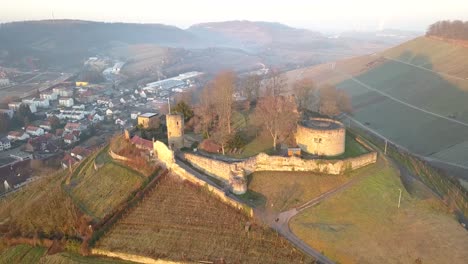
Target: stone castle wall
263, 162
166, 155
326, 142
214, 168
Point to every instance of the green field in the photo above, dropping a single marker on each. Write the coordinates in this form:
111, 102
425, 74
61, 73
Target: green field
22, 254
98, 192
364, 225
179, 221
281, 191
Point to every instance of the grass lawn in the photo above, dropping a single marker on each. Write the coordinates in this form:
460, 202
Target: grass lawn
98, 192
182, 222
22, 254
257, 145
280, 191
352, 149
364, 225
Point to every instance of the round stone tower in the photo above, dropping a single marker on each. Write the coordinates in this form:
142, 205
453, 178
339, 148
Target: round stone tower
321, 136
175, 131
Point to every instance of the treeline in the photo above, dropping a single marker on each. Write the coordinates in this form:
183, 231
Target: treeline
456, 29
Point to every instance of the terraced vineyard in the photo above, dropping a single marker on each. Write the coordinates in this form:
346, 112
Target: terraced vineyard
97, 192
179, 221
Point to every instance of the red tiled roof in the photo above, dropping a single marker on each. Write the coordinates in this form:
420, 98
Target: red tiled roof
32, 128
16, 133
69, 137
141, 142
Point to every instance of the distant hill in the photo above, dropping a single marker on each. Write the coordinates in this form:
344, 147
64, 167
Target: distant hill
52, 42
414, 94
242, 45
252, 34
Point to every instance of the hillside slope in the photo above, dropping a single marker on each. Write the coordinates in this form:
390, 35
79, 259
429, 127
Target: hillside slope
414, 94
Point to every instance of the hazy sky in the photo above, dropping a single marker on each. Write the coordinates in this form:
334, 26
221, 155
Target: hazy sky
322, 15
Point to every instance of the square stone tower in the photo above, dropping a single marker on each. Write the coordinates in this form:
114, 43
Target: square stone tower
175, 131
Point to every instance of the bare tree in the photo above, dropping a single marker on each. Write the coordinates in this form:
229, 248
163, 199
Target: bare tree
333, 101
205, 111
250, 86
276, 83
304, 90
223, 89
277, 115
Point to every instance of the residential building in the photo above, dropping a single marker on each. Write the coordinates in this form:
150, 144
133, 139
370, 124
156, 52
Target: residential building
38, 103
79, 152
8, 112
5, 144
17, 135
148, 120
134, 115
70, 127
4, 82
66, 101
46, 125
70, 139
51, 96
109, 112
34, 131
63, 92
95, 118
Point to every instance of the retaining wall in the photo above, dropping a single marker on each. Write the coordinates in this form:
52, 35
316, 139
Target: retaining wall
166, 156
117, 157
263, 162
130, 257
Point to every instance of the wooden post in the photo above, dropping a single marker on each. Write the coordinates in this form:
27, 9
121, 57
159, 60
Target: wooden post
399, 199
385, 151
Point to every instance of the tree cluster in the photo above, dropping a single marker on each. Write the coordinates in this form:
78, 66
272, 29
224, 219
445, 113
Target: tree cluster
456, 29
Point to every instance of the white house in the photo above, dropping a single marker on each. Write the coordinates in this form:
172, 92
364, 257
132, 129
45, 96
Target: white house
51, 96
17, 135
80, 107
134, 115
66, 101
109, 112
120, 122
36, 102
5, 144
34, 131
46, 125
4, 82
63, 91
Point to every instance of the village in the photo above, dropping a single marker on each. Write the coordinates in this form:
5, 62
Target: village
61, 125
